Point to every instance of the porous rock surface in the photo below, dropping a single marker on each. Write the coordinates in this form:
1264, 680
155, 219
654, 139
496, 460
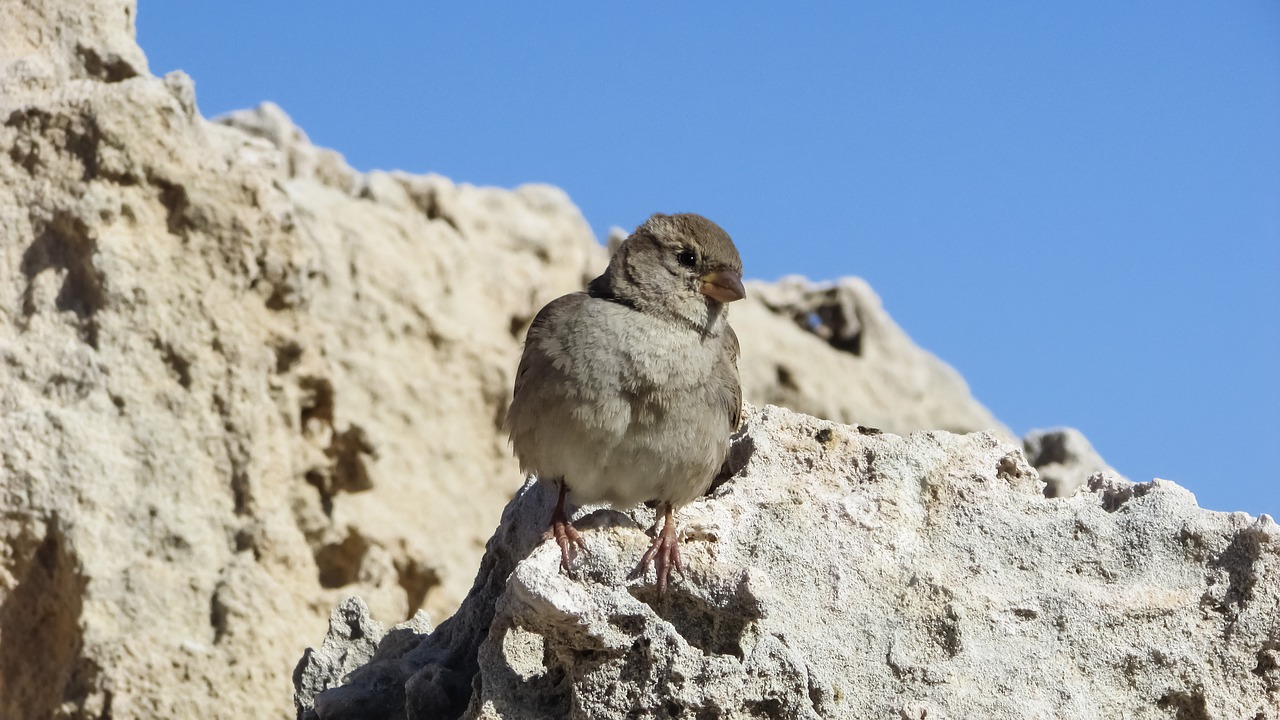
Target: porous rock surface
1065, 459
240, 381
845, 573
876, 377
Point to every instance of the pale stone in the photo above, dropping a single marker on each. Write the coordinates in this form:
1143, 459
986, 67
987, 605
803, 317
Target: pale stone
845, 573
240, 381
830, 350
1064, 458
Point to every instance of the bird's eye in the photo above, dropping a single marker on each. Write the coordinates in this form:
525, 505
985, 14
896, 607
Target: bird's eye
687, 258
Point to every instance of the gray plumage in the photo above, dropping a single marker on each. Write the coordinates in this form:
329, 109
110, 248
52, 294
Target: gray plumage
629, 392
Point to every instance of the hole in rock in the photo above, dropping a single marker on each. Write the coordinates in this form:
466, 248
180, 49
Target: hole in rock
339, 563
417, 579
715, 629
42, 614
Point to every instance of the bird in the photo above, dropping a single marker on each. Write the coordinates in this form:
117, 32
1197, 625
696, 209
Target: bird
629, 392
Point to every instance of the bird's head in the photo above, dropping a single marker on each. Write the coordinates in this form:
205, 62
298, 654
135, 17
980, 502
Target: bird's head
681, 264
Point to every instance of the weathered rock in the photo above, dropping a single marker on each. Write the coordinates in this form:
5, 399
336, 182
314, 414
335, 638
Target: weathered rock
845, 573
240, 381
1064, 458
830, 350
232, 393
304, 160
44, 45
354, 640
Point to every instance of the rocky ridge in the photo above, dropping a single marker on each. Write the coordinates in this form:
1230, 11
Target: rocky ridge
847, 573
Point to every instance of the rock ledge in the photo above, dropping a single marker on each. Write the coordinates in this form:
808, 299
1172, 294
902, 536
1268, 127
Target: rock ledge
844, 572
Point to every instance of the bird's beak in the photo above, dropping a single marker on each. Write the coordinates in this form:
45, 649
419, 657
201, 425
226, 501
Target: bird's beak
723, 285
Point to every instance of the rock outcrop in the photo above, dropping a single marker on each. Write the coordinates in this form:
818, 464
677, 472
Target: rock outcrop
876, 376
1065, 459
845, 573
240, 381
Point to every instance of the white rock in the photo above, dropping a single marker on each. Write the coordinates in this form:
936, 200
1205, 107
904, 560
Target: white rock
1064, 458
973, 595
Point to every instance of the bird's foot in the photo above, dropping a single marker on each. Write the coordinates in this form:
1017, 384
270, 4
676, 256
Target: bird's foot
567, 537
664, 553
563, 531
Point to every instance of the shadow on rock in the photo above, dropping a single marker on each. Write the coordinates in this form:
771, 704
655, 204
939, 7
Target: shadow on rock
363, 672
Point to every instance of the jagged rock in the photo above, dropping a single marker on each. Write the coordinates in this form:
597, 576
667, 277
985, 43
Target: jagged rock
353, 642
1065, 459
305, 161
830, 350
45, 45
845, 573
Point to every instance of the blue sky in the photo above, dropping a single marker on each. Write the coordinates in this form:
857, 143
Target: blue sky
1077, 205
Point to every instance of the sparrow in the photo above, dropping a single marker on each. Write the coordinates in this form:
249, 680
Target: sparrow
629, 392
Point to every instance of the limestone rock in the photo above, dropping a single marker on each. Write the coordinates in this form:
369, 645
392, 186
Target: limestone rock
304, 160
233, 390
1064, 458
240, 381
830, 350
44, 45
354, 640
844, 573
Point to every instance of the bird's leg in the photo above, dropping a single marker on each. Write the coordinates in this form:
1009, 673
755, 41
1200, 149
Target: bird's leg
664, 551
563, 531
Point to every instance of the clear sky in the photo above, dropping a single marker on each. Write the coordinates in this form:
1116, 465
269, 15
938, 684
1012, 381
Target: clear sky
1075, 204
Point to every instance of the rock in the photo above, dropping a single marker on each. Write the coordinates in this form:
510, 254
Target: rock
846, 573
830, 350
1064, 458
233, 390
304, 160
240, 381
354, 640
48, 44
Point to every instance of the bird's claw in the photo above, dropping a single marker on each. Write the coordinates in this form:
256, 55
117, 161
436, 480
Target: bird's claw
568, 538
664, 553
563, 531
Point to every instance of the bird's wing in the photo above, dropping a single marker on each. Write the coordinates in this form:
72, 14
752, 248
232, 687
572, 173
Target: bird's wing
728, 376
534, 361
